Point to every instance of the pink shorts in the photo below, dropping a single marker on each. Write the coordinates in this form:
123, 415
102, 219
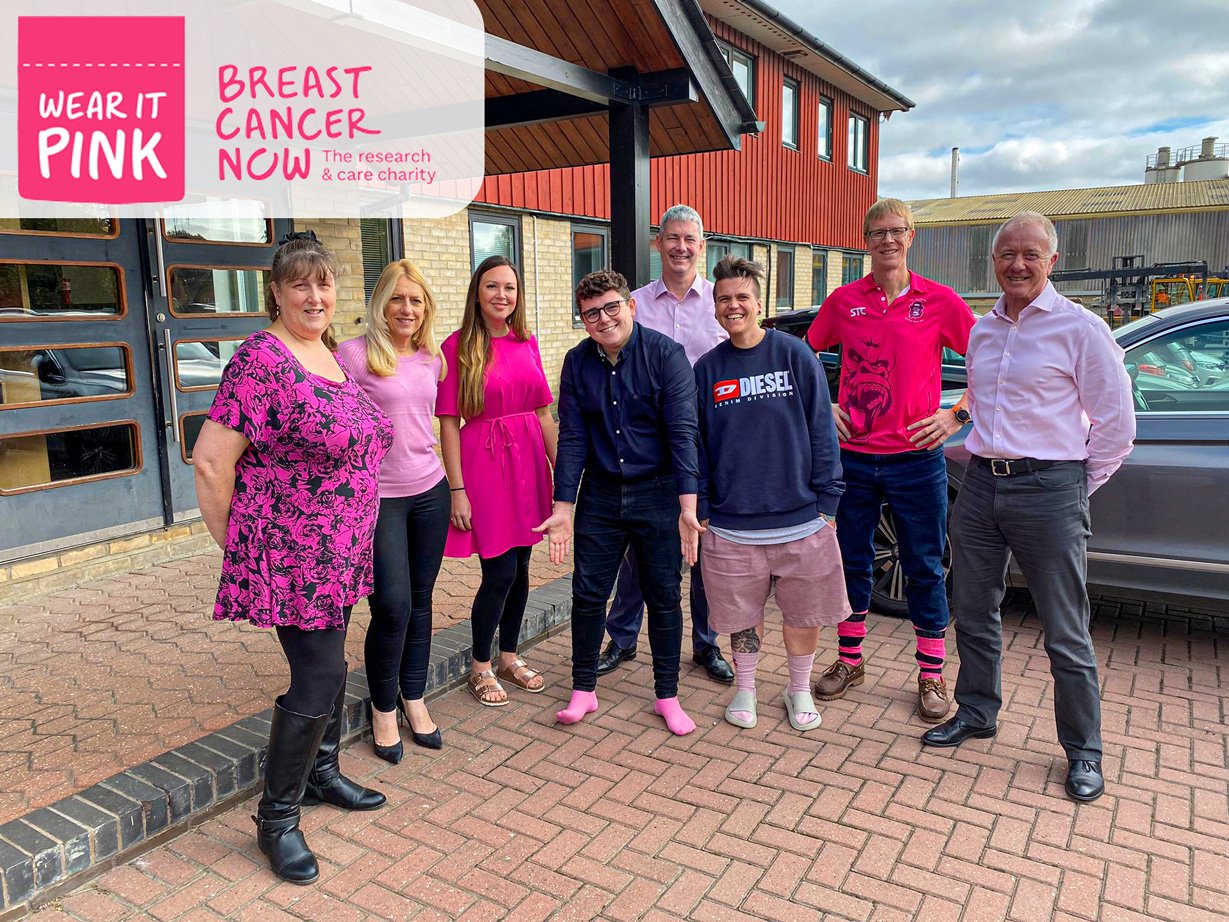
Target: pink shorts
807, 575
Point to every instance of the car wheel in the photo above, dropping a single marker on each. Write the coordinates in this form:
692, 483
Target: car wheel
888, 578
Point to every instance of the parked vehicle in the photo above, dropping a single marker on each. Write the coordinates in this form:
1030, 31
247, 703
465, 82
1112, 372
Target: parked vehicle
796, 323
1159, 524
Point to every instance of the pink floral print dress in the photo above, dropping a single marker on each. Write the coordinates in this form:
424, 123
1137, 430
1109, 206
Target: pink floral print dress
298, 542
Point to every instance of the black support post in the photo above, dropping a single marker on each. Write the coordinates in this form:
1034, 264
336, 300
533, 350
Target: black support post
629, 189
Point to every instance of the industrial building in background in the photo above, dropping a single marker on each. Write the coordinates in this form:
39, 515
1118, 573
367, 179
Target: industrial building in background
1114, 241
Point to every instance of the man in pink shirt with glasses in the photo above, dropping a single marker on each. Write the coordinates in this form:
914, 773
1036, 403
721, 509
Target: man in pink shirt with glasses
1053, 418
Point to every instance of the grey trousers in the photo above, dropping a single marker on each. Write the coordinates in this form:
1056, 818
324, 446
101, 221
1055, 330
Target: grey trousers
1042, 519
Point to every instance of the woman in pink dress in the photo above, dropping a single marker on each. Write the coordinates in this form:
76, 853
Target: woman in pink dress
498, 466
287, 469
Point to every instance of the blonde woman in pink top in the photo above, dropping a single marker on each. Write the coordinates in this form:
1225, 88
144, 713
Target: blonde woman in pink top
399, 366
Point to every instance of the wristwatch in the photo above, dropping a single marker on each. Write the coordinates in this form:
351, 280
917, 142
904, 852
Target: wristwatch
962, 415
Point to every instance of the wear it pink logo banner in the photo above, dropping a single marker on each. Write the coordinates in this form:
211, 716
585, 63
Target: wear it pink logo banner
100, 111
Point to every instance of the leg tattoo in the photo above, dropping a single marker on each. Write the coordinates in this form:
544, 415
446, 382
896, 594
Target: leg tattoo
747, 641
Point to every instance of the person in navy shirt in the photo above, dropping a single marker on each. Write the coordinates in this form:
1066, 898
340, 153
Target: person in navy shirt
770, 481
627, 422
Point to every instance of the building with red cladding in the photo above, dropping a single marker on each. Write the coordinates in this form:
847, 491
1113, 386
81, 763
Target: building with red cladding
793, 196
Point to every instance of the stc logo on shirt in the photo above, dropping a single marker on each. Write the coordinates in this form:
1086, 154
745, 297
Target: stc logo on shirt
756, 387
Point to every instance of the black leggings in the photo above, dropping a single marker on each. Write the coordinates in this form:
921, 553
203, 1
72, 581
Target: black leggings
500, 602
317, 667
409, 548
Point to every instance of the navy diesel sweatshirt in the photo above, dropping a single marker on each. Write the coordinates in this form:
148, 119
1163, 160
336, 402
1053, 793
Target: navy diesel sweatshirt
768, 450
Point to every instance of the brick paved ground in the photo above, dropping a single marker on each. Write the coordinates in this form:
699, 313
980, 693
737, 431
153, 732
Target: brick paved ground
100, 678
520, 818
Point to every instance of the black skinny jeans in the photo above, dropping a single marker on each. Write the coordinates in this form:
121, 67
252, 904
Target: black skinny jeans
409, 548
317, 662
500, 602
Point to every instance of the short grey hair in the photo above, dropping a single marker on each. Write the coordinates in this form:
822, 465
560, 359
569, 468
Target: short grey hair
1034, 218
683, 213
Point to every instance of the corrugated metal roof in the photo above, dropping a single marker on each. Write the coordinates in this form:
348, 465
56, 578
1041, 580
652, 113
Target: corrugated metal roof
1106, 201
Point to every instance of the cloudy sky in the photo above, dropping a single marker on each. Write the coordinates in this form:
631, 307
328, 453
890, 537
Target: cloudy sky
1051, 94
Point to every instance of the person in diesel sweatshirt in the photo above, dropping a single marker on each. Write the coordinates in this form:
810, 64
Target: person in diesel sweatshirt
770, 480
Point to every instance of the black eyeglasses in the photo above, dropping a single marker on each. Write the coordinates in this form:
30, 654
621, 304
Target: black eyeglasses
593, 314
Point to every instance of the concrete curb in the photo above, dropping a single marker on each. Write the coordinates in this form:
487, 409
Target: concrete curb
56, 848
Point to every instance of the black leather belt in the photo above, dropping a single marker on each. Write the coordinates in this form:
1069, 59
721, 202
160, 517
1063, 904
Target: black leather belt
1010, 467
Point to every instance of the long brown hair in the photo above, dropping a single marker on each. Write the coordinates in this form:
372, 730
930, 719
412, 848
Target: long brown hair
300, 257
474, 350
381, 356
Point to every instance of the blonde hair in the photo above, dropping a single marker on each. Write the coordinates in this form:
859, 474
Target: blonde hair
887, 206
301, 256
381, 355
474, 350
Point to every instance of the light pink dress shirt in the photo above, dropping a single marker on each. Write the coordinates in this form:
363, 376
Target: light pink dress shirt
1050, 385
690, 322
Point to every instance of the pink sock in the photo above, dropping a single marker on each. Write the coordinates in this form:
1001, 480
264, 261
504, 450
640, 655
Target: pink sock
931, 652
745, 665
800, 681
582, 703
850, 634
800, 672
678, 721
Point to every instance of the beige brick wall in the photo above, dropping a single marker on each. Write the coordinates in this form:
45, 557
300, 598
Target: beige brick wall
802, 277
343, 237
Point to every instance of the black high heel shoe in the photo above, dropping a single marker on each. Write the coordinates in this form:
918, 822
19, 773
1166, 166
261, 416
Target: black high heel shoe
432, 740
394, 753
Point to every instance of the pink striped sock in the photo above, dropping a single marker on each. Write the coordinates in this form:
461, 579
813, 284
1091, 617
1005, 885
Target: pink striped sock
800, 672
931, 652
850, 634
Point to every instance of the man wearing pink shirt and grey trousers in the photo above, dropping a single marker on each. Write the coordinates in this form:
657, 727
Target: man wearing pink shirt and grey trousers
1053, 418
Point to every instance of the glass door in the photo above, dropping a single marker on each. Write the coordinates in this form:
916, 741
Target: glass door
210, 296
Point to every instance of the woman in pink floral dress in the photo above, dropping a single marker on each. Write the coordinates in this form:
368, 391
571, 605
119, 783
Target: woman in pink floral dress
498, 466
287, 468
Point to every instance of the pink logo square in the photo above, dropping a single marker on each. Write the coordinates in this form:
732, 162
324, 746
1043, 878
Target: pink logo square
100, 108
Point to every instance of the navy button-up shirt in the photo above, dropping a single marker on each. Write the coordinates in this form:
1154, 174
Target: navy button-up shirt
634, 419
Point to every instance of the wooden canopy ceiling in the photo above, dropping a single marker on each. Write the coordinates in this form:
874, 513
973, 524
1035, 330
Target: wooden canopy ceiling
553, 67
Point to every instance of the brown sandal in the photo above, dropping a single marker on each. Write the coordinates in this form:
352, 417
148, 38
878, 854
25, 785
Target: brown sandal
520, 675
484, 686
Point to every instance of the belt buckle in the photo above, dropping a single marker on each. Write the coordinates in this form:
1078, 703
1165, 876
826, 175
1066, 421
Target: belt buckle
1000, 467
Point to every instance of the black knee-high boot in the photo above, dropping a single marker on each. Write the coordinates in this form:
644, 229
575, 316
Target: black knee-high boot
293, 742
326, 784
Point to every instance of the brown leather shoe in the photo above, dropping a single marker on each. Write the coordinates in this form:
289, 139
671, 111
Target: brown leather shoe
838, 678
933, 703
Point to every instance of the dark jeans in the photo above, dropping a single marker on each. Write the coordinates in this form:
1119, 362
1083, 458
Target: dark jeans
409, 548
1042, 519
627, 610
914, 484
610, 517
500, 602
317, 661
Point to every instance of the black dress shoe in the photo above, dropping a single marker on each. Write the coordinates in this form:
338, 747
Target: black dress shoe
1084, 780
954, 732
613, 655
432, 740
714, 664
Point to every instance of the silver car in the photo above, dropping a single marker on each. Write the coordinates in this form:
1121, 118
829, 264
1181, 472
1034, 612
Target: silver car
1160, 527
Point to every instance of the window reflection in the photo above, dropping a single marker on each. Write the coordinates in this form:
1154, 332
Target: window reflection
218, 291
30, 290
34, 374
217, 221
54, 458
76, 227
199, 363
